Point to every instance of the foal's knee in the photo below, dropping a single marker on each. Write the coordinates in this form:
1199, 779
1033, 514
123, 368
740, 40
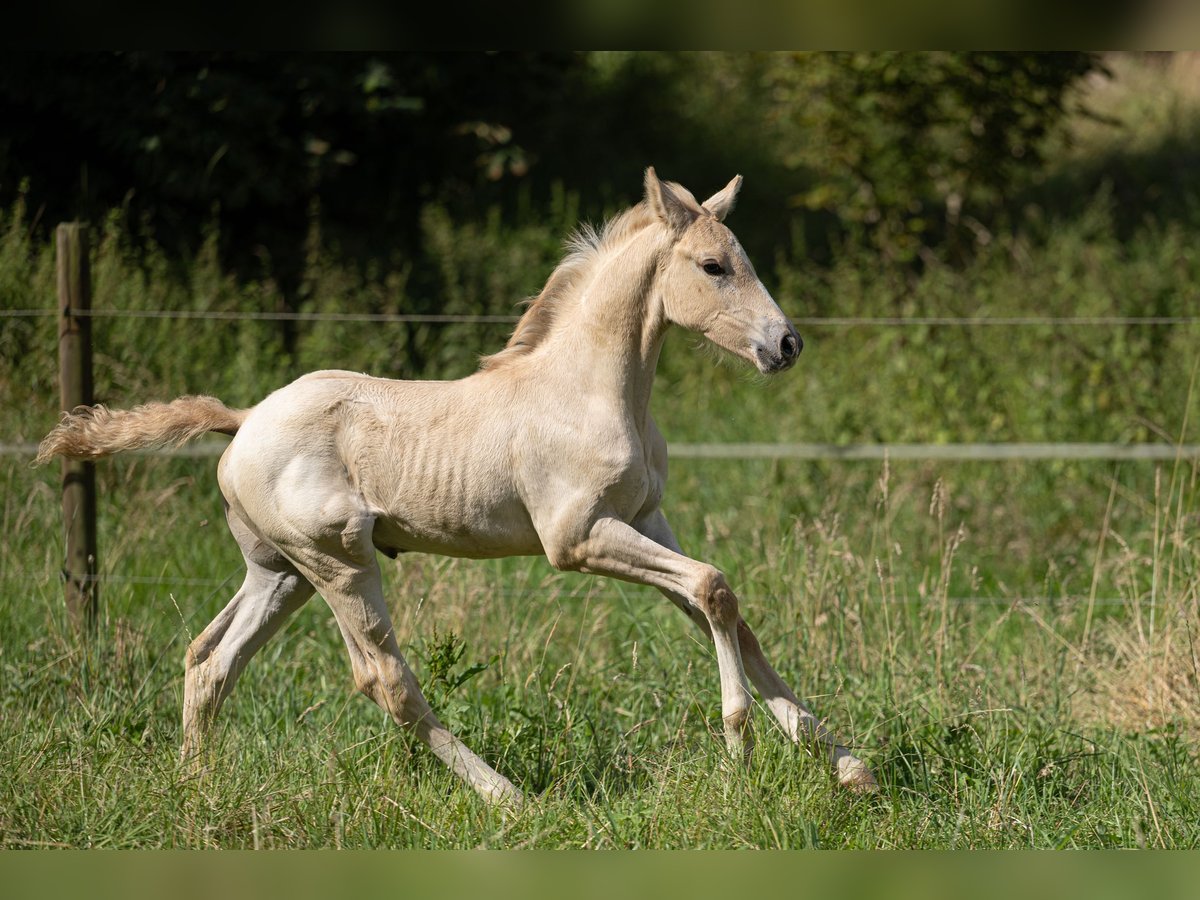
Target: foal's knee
717, 600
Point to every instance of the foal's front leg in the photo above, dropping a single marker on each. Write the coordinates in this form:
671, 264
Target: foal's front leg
796, 719
611, 547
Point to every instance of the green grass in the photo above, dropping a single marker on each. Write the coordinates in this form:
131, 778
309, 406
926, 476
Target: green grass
1011, 646
990, 724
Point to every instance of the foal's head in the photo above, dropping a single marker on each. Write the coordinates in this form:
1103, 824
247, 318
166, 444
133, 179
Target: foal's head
708, 284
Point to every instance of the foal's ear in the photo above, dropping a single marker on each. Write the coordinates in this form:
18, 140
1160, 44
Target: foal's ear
673, 204
721, 203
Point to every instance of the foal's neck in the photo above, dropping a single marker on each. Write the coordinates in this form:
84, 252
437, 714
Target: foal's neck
610, 333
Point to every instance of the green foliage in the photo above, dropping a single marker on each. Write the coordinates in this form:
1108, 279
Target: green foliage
907, 146
264, 140
900, 150
443, 654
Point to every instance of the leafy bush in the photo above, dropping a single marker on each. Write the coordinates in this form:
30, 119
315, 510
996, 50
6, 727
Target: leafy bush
902, 145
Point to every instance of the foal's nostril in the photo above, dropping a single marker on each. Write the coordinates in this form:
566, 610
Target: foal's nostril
790, 346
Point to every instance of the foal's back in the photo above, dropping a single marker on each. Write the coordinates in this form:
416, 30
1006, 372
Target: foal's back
430, 462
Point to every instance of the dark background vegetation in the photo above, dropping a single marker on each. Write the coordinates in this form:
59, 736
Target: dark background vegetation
891, 149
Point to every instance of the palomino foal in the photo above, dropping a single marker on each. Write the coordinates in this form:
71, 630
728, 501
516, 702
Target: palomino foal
549, 449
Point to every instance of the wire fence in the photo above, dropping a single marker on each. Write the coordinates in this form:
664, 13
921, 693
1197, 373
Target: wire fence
982, 452
949, 452
240, 316
463, 319
997, 452
569, 593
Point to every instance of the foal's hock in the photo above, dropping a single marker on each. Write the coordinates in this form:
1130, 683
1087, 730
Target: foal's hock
549, 448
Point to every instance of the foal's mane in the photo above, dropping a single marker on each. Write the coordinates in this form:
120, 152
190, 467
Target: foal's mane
584, 248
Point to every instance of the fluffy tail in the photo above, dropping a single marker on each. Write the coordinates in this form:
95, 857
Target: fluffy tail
94, 431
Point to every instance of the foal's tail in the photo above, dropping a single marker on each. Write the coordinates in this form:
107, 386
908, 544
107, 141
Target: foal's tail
94, 431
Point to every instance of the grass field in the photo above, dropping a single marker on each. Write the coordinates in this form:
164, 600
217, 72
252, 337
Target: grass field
1011, 646
997, 722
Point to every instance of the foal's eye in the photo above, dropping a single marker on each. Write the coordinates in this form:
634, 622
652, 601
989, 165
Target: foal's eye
713, 268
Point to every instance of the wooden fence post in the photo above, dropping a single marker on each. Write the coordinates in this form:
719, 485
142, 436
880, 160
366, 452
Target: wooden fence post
75, 384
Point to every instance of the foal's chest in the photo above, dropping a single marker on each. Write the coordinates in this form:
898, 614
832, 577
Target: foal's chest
628, 480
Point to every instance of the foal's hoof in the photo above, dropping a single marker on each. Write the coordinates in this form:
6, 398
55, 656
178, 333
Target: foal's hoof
854, 776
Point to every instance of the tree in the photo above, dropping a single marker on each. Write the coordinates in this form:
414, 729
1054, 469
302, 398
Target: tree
902, 144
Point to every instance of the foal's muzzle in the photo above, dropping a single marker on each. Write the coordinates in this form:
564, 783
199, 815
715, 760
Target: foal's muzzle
782, 349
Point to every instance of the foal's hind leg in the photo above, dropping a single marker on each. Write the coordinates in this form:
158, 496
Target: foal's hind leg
346, 572
796, 719
272, 590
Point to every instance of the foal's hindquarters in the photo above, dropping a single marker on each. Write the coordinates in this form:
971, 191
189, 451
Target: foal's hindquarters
302, 526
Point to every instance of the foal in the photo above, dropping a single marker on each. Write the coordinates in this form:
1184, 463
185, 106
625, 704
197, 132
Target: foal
549, 449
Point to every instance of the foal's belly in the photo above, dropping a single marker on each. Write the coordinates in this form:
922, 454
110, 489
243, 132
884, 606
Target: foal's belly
462, 532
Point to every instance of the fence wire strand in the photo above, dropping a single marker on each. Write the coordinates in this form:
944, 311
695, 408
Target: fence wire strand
575, 594
481, 319
996, 452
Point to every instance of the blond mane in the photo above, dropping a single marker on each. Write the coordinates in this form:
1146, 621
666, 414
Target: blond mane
584, 248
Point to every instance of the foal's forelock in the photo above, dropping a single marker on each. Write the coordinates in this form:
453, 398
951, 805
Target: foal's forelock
585, 249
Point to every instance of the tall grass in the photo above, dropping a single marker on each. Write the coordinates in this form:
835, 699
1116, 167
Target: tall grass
1023, 722
1012, 646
